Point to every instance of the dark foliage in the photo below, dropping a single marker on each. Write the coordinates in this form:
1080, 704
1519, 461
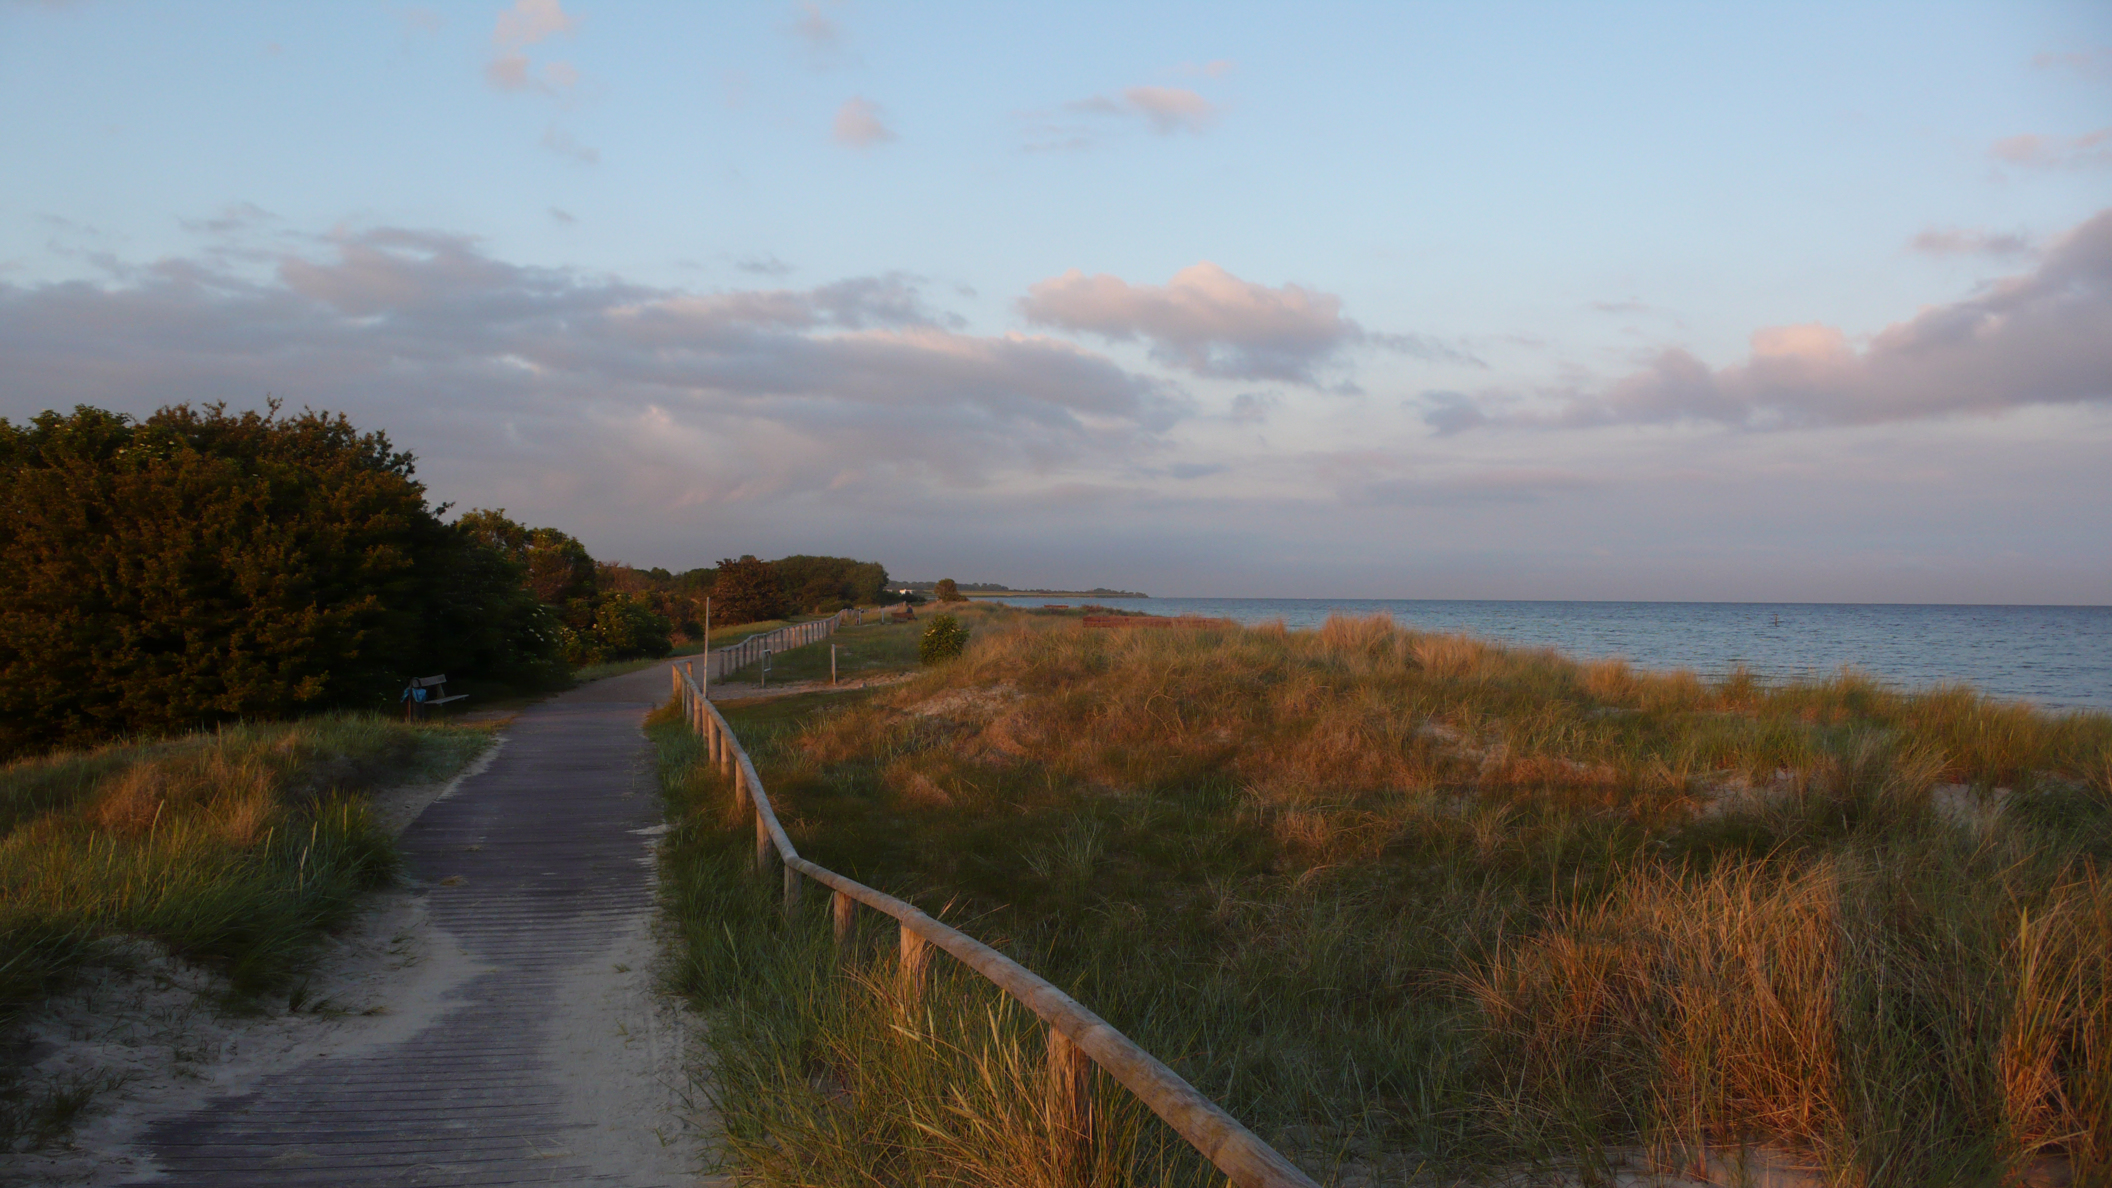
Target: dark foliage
746, 591
201, 567
603, 612
946, 591
820, 585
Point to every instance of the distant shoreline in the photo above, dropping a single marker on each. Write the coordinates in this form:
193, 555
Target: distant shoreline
1053, 594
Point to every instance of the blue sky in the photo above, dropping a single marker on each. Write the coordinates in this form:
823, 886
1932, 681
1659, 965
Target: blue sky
1535, 300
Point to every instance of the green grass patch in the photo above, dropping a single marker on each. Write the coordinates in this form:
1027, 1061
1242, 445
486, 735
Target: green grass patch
871, 650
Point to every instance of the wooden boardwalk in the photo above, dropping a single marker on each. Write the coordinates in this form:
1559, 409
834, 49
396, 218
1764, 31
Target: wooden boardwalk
551, 868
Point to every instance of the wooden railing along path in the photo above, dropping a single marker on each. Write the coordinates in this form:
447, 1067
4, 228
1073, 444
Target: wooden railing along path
723, 662
1077, 1040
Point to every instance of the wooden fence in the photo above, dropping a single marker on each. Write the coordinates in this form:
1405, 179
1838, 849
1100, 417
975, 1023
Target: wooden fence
1077, 1038
720, 663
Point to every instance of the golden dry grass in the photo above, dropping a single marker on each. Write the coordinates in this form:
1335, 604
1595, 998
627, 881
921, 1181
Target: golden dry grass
1494, 907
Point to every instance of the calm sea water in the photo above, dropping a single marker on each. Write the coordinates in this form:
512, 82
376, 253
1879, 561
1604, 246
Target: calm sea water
2055, 656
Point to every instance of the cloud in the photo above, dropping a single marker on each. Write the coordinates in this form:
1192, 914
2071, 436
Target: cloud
527, 23
563, 216
1166, 109
2090, 63
1216, 68
568, 381
858, 124
815, 28
1953, 241
2037, 338
531, 21
561, 142
2055, 152
763, 265
1212, 323
1252, 408
234, 217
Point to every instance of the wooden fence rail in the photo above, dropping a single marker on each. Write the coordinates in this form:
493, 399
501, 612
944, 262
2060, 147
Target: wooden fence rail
1076, 1035
720, 663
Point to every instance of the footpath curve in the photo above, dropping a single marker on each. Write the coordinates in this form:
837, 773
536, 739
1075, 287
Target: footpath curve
539, 868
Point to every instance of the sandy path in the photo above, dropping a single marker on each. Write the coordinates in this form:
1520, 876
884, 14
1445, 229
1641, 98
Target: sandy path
495, 1022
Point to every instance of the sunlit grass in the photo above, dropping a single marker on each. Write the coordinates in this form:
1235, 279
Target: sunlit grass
1383, 891
231, 847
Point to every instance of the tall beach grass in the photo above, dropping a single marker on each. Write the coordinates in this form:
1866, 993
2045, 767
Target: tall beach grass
230, 848
1406, 901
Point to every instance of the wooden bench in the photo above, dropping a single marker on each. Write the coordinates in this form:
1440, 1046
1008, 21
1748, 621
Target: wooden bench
426, 692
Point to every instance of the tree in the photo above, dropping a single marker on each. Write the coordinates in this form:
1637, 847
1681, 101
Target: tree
198, 567
819, 585
746, 591
946, 591
603, 611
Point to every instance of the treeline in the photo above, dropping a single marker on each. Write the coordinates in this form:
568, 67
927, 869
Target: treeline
197, 566
746, 590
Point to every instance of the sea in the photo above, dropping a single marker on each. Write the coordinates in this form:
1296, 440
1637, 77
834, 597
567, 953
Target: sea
2056, 657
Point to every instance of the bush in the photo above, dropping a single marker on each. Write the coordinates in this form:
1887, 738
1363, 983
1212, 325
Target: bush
942, 640
746, 591
948, 591
199, 567
625, 628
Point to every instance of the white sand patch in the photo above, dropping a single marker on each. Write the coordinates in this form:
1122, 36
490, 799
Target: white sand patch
153, 1033
154, 1025
626, 1050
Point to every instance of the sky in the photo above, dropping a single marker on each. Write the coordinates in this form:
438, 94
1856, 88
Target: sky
1759, 302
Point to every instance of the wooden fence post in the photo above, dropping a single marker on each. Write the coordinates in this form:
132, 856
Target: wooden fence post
791, 889
1070, 1108
841, 908
915, 968
740, 790
762, 842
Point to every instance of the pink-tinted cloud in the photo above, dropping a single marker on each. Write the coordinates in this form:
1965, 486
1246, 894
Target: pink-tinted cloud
1166, 109
816, 28
1211, 322
2055, 152
554, 373
859, 124
530, 21
2042, 337
527, 23
1956, 241
2090, 63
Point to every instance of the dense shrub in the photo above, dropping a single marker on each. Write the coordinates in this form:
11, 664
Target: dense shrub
600, 611
943, 640
200, 567
948, 591
821, 585
746, 591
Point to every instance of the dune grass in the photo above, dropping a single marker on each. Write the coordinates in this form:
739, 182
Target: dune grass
231, 847
1403, 900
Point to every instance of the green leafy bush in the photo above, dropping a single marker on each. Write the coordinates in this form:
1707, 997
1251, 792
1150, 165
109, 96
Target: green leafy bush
942, 640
